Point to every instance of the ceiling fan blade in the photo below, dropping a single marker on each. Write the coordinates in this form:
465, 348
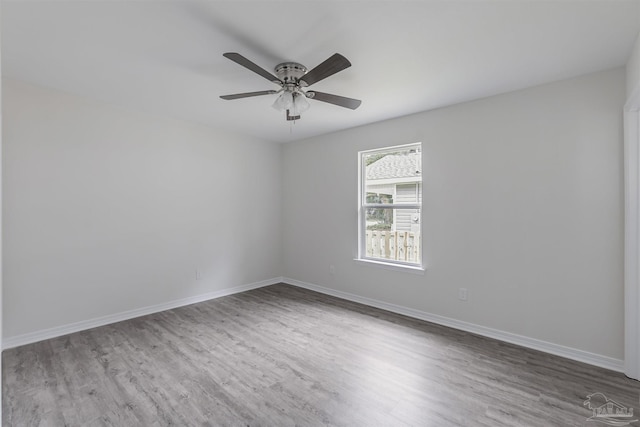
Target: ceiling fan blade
341, 101
239, 59
248, 94
334, 64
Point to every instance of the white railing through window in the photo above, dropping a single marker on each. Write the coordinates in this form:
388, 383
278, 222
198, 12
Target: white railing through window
393, 245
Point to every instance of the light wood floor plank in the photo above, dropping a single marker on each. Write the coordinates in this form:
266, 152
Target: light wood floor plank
284, 356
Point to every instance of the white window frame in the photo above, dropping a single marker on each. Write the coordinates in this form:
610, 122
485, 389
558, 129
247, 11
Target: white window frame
363, 206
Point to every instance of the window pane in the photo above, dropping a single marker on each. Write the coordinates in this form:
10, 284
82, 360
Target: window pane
393, 234
390, 204
393, 176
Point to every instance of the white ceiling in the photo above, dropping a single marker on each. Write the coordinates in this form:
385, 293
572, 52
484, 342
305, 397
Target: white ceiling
166, 58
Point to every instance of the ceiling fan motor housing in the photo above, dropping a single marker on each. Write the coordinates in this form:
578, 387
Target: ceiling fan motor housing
290, 72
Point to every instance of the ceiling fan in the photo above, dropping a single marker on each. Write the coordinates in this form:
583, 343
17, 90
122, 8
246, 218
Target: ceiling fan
292, 79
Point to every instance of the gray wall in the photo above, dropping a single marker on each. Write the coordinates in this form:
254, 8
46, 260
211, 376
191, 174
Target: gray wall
107, 211
523, 204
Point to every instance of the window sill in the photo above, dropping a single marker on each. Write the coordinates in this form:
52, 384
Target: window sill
389, 266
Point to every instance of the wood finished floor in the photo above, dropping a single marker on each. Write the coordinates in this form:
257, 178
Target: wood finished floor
284, 356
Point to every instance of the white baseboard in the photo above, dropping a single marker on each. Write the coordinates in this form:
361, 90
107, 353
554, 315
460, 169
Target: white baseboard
535, 344
57, 331
547, 347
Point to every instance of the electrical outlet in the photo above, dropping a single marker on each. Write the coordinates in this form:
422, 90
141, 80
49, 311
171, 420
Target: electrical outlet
198, 274
463, 294
332, 269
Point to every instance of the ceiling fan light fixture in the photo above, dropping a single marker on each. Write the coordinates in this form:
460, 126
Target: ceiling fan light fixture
284, 101
300, 104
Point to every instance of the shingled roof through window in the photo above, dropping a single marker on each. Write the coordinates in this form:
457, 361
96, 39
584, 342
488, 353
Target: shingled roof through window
395, 166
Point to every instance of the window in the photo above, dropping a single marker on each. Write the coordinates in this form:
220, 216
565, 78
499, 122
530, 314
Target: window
390, 204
